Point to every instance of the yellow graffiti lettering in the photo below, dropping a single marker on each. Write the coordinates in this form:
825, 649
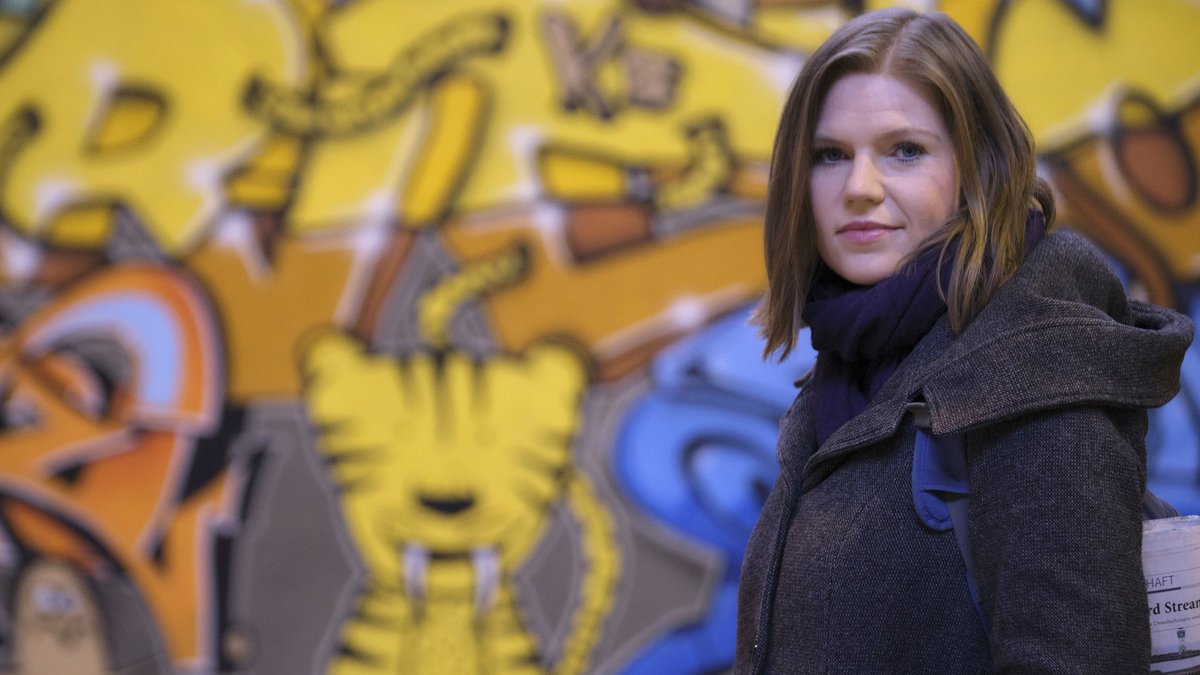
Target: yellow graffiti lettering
576, 60
1151, 50
264, 183
570, 174
131, 115
438, 304
451, 143
343, 110
710, 166
82, 226
134, 116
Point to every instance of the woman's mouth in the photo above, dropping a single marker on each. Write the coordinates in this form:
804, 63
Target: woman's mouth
864, 231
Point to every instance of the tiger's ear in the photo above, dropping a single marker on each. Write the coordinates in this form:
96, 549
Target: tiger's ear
329, 351
328, 357
560, 370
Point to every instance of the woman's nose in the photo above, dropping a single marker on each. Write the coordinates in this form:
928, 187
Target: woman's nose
864, 182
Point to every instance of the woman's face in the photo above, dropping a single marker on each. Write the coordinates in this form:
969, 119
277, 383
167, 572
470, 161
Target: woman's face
883, 176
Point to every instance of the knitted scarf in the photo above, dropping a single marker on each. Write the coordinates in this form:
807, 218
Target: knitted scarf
862, 333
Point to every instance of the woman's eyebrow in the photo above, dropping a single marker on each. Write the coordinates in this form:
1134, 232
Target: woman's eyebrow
890, 134
912, 131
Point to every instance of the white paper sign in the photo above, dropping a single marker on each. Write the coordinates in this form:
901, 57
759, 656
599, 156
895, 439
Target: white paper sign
1171, 564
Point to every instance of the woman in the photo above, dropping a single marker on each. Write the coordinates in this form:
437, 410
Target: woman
906, 227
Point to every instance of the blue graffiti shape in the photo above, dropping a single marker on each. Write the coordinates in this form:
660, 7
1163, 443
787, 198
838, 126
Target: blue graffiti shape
697, 454
1173, 435
1173, 441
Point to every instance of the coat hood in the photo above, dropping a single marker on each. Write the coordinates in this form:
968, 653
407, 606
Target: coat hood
1062, 332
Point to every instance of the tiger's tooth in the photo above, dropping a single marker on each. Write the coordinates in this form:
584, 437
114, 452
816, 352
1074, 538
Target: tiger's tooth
486, 562
416, 567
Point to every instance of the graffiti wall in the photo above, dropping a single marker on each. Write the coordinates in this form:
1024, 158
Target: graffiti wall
368, 337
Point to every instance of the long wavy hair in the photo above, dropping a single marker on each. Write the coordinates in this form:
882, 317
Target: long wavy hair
993, 150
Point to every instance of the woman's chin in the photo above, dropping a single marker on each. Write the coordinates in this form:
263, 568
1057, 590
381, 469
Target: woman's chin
868, 270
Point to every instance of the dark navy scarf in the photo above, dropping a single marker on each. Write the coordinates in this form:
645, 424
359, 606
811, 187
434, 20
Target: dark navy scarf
862, 333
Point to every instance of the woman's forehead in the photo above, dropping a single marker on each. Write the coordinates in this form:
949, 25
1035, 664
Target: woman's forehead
877, 101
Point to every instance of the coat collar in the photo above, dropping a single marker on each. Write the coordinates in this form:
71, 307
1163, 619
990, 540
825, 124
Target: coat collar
1061, 332
883, 416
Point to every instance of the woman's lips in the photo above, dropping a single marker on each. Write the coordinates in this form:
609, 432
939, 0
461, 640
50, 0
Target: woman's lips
864, 232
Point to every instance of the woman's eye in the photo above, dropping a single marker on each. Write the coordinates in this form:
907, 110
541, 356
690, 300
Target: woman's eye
909, 151
828, 155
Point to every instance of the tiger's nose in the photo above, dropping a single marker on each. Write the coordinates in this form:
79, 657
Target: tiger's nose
447, 506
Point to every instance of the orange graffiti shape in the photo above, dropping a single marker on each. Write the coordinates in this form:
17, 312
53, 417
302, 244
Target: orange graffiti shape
103, 394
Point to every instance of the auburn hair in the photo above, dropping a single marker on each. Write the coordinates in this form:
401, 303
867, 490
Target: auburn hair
993, 150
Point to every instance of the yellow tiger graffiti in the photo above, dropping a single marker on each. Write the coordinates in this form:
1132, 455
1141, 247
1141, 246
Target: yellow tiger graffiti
447, 468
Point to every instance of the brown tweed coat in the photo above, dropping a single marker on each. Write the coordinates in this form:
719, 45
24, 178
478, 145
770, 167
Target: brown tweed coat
1049, 386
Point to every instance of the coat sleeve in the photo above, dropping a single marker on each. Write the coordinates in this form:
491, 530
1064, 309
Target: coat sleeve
1056, 532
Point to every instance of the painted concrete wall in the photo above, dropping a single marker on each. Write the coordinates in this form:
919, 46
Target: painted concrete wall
403, 337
